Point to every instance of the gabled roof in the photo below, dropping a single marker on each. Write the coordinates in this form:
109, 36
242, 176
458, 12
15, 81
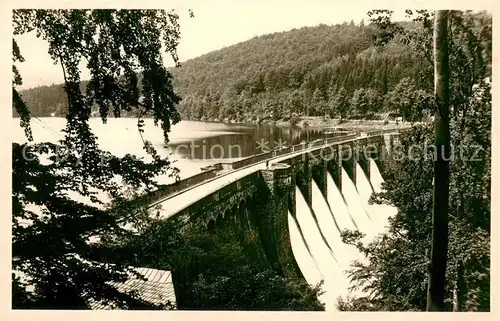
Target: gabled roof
158, 289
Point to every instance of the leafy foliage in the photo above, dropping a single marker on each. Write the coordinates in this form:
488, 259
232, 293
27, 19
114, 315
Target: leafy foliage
215, 270
61, 190
395, 275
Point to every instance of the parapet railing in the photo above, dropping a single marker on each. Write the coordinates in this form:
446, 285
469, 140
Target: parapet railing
166, 190
221, 194
212, 171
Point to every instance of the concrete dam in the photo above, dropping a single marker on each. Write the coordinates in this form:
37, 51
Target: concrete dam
289, 207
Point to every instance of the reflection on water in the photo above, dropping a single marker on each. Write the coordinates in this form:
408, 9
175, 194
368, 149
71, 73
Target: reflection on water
195, 144
234, 141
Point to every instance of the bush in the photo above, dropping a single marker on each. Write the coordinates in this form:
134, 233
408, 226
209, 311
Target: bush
247, 288
215, 271
294, 120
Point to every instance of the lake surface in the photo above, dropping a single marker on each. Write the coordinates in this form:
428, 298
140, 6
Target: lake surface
192, 144
228, 141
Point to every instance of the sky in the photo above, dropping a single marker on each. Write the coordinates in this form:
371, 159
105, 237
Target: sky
216, 24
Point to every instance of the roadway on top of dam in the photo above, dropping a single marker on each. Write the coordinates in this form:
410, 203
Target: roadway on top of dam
172, 204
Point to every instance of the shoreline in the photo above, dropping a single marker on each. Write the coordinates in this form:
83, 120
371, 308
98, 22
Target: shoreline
322, 123
303, 123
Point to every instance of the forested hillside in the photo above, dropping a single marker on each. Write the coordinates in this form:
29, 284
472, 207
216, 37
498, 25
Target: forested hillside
314, 71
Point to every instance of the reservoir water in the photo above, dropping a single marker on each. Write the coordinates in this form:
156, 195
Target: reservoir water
192, 144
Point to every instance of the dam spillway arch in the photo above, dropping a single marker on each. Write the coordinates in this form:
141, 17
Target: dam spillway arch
328, 258
290, 214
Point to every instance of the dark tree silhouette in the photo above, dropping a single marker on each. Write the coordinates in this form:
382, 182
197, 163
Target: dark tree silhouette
58, 259
439, 250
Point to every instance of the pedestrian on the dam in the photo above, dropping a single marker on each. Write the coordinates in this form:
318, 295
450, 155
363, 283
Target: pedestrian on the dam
267, 164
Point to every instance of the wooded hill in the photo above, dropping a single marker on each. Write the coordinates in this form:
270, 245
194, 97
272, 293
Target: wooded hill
315, 71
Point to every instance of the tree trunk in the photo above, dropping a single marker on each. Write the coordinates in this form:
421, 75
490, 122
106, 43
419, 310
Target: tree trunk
439, 250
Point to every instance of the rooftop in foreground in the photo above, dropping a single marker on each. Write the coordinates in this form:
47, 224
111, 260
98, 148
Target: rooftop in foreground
158, 289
